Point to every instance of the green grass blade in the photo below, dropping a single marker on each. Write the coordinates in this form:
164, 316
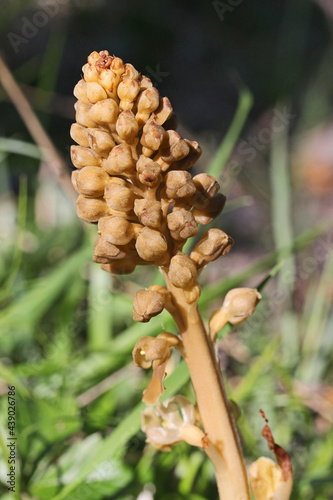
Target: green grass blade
224, 151
114, 444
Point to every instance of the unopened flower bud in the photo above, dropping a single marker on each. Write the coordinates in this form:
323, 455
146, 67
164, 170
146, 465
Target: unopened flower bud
182, 224
147, 304
90, 73
145, 82
127, 126
152, 136
130, 72
120, 160
105, 252
117, 66
121, 266
93, 58
148, 101
191, 158
119, 196
127, 91
89, 92
213, 208
91, 209
109, 81
207, 188
91, 181
179, 184
100, 141
105, 111
163, 112
151, 245
239, 304
83, 116
116, 230
84, 157
79, 134
212, 245
149, 171
173, 149
148, 212
182, 271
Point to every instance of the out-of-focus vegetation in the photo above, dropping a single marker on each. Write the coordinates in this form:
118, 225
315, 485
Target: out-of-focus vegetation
66, 329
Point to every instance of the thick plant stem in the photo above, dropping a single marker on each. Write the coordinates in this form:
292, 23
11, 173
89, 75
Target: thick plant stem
224, 450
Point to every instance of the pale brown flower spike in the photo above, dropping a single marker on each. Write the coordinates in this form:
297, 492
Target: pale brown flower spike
134, 182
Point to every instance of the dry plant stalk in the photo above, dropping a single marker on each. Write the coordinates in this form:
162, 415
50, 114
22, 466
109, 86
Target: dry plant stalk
133, 180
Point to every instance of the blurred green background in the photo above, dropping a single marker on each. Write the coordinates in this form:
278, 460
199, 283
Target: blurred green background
253, 83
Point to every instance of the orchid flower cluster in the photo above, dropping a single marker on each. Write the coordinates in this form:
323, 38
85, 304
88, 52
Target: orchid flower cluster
133, 179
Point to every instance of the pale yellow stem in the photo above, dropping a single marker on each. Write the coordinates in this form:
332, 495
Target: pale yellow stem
224, 450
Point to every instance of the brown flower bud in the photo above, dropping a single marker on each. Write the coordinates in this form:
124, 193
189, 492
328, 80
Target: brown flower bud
79, 134
174, 148
163, 112
91, 181
147, 304
105, 252
83, 116
120, 160
75, 173
84, 157
207, 188
121, 266
127, 91
109, 81
89, 92
105, 111
192, 157
148, 212
149, 171
119, 197
116, 230
117, 66
93, 58
148, 101
100, 141
91, 209
179, 184
152, 136
151, 245
239, 304
130, 72
90, 73
182, 271
212, 245
127, 126
145, 82
213, 208
181, 224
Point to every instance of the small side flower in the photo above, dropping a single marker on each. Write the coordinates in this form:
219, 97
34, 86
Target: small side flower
170, 423
155, 352
270, 480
